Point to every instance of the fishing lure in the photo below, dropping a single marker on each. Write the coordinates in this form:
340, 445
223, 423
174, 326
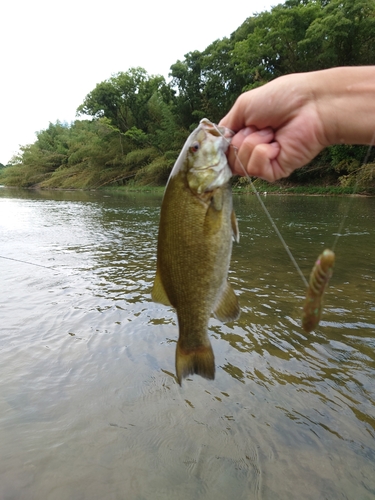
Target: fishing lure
319, 277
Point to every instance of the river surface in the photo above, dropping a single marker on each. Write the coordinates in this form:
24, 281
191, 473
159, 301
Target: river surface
89, 404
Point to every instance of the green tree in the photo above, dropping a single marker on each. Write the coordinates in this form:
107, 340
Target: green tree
272, 47
140, 122
187, 79
342, 35
123, 99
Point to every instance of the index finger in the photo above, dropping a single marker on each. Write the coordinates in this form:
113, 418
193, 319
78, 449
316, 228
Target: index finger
270, 105
236, 118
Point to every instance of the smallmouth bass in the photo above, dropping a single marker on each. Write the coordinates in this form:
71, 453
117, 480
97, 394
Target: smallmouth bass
197, 224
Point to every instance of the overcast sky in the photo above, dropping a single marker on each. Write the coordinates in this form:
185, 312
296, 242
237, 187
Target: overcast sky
54, 53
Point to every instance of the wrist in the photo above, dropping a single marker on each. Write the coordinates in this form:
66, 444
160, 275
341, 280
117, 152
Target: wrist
345, 99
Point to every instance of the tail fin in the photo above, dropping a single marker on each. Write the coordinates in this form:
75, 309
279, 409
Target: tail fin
200, 360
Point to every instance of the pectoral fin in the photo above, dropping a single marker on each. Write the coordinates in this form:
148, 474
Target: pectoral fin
217, 200
233, 221
158, 293
228, 308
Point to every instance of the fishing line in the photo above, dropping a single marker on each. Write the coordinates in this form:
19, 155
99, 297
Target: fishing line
322, 270
276, 229
287, 249
30, 263
349, 204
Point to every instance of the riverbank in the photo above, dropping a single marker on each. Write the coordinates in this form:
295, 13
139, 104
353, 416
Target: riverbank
238, 187
262, 187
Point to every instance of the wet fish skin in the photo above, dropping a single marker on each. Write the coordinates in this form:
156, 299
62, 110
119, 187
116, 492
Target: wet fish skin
197, 225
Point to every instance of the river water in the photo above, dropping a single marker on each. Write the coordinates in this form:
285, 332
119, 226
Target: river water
89, 404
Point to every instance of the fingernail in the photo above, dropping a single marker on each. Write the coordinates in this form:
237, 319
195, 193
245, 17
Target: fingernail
247, 131
265, 131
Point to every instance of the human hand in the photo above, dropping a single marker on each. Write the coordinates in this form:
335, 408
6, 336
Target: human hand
278, 127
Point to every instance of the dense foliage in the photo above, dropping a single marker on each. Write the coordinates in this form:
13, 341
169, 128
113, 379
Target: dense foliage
139, 121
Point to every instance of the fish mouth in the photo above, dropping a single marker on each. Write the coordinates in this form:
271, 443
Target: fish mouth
215, 130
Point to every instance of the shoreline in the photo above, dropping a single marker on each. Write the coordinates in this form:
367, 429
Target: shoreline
263, 190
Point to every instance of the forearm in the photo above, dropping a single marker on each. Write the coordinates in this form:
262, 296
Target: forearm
345, 99
300, 114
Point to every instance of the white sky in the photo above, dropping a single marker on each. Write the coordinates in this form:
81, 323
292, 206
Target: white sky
54, 53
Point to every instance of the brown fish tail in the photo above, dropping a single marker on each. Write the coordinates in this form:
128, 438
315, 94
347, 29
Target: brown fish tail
199, 360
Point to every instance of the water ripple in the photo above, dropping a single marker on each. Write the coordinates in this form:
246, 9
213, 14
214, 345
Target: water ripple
90, 406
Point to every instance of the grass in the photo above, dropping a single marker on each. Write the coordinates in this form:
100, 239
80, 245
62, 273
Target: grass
288, 189
93, 180
133, 187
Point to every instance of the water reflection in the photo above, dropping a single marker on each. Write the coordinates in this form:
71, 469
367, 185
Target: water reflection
90, 405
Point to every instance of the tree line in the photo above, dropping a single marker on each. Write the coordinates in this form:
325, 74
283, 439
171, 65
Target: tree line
139, 122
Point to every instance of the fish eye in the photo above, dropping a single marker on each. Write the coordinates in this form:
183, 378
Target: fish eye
194, 147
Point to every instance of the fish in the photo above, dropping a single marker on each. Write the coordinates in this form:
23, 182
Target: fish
319, 277
196, 230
